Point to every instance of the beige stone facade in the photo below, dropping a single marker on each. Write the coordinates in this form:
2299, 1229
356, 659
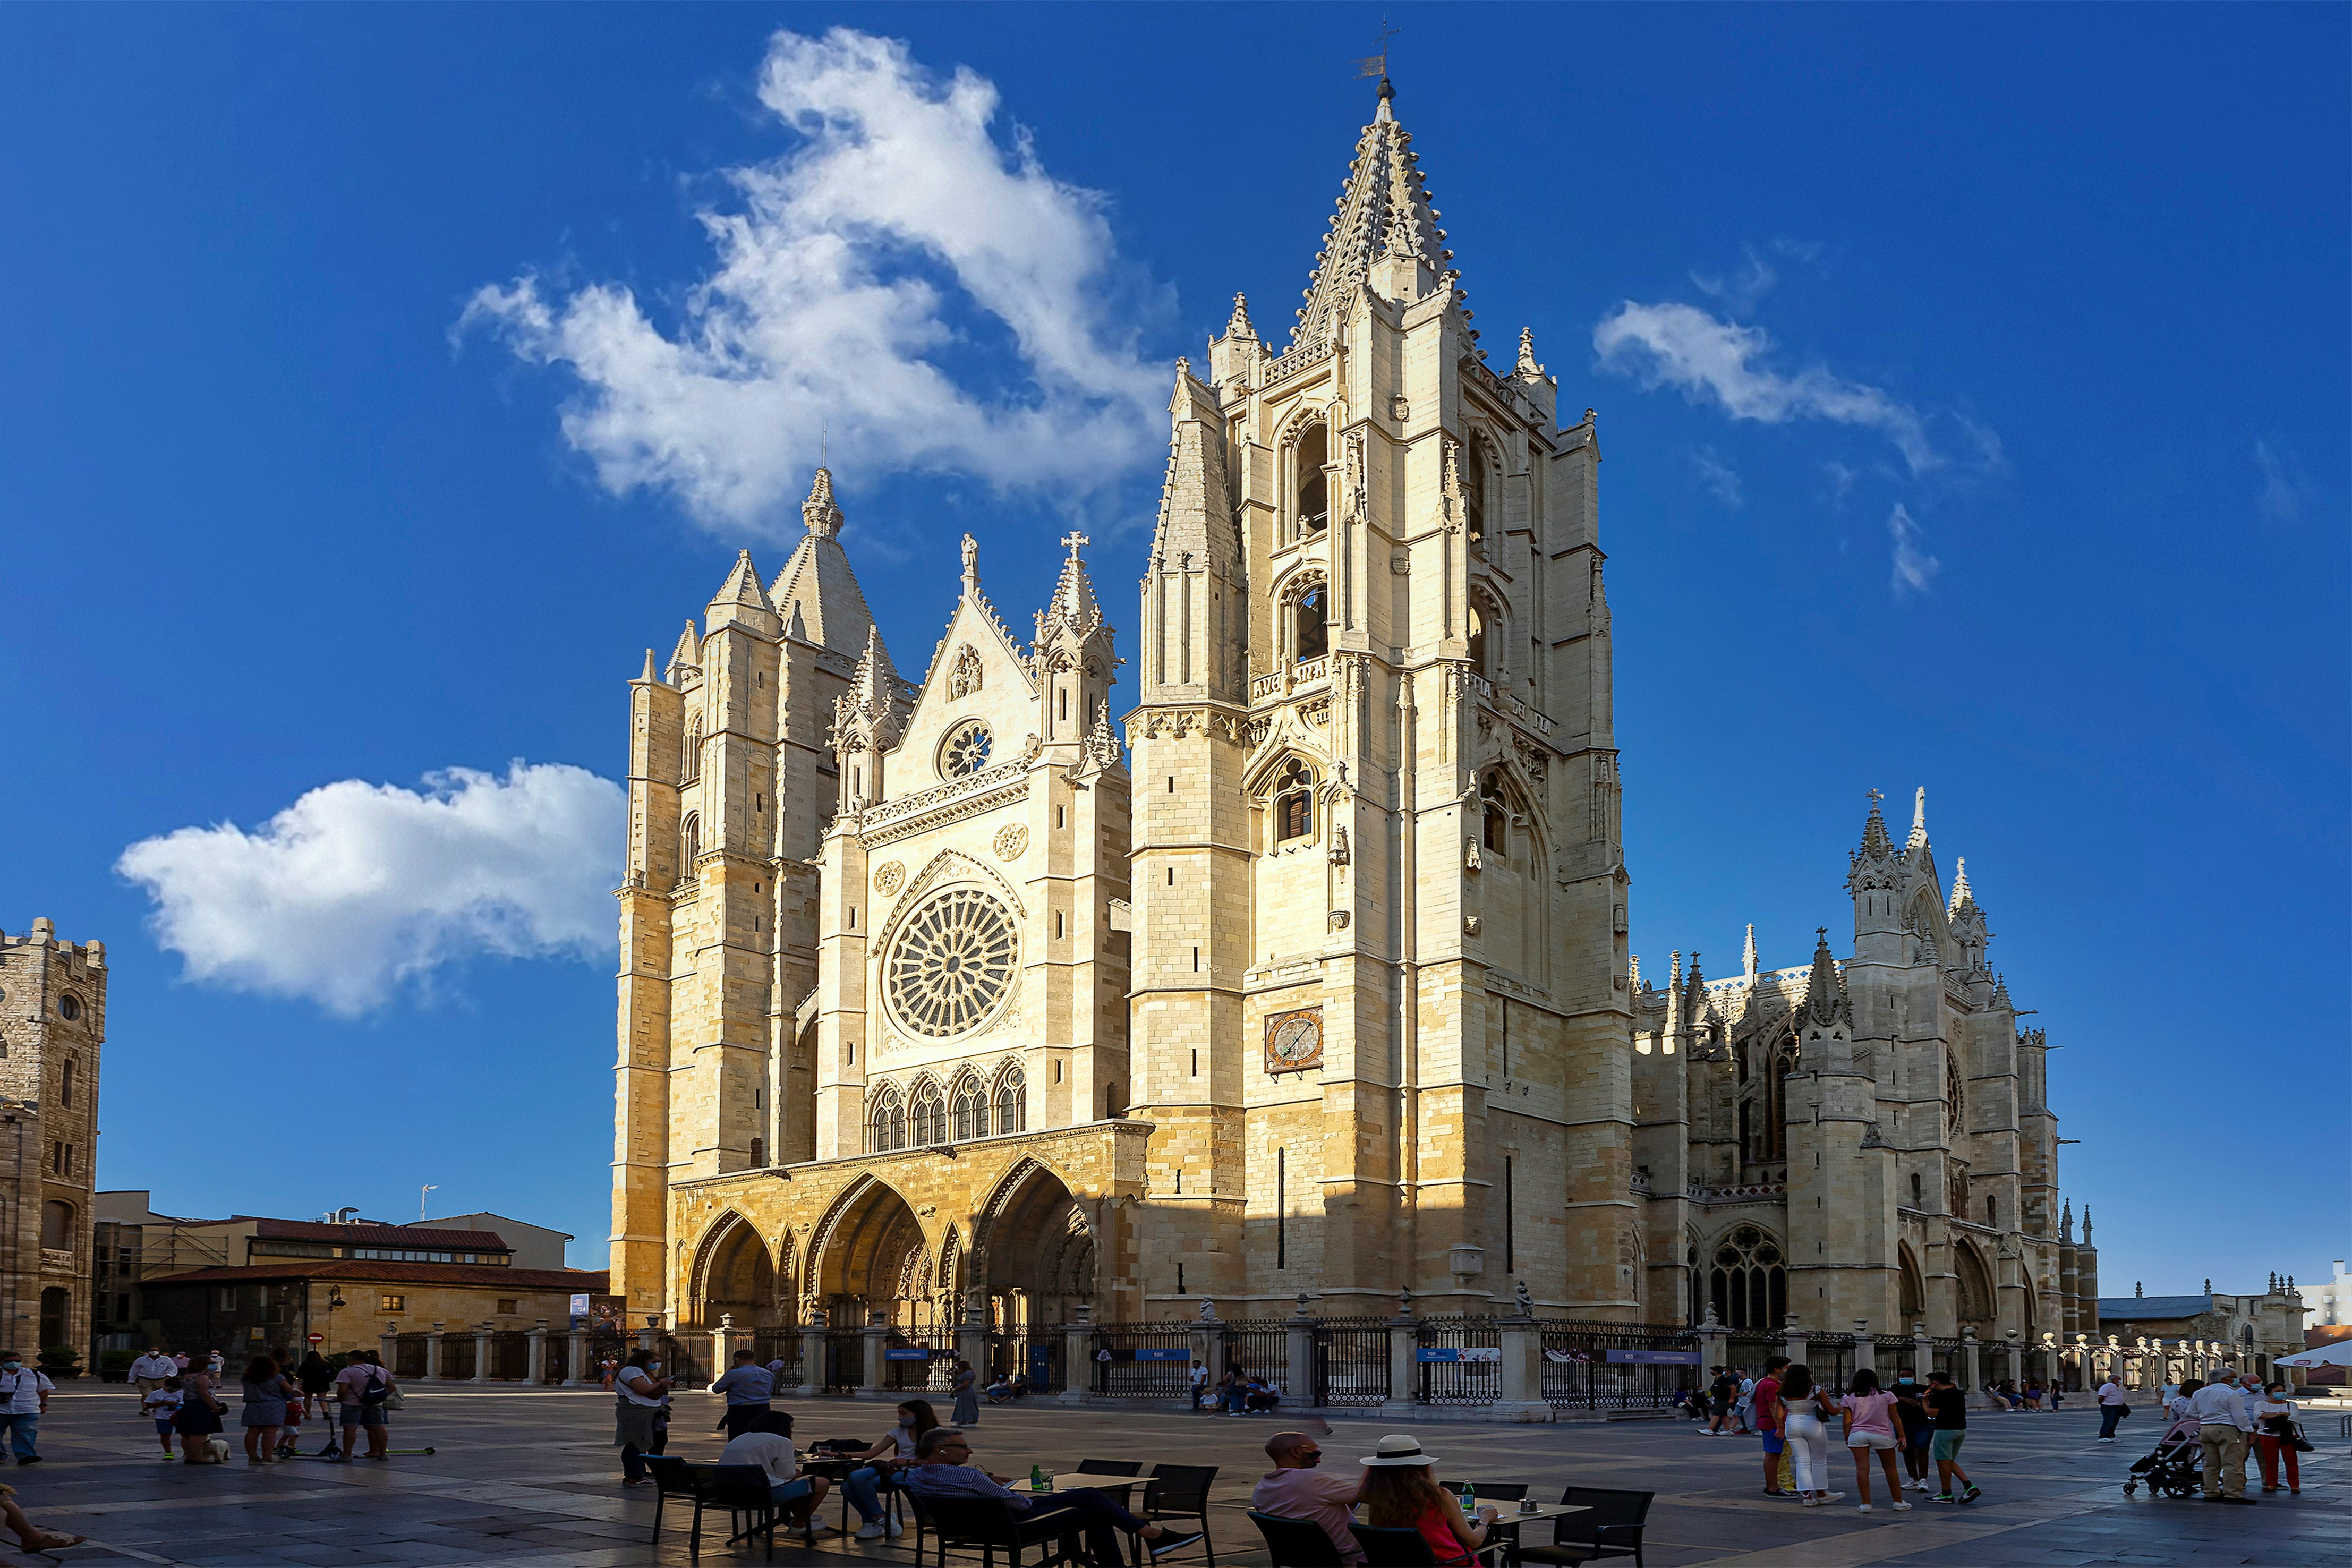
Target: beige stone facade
939, 1002
52, 1028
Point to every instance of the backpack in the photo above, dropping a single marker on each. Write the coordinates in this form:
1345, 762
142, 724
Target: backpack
375, 1391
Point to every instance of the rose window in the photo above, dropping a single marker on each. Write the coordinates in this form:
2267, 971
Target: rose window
966, 750
952, 964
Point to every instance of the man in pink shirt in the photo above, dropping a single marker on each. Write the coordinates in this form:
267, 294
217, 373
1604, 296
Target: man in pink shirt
1296, 1488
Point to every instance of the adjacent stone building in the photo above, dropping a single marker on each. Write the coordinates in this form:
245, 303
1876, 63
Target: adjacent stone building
1301, 973
52, 1028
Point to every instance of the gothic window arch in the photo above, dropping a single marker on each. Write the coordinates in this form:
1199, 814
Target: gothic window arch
968, 1109
1311, 491
885, 1127
1976, 1292
1473, 486
926, 1116
1013, 1101
1765, 1064
1477, 639
689, 845
1748, 1280
1311, 621
1956, 1109
1911, 1286
1294, 801
1494, 812
690, 756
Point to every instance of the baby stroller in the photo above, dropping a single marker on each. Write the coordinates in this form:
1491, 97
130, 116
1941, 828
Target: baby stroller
2175, 1468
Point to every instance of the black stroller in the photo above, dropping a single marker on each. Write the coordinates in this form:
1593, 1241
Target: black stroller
2175, 1468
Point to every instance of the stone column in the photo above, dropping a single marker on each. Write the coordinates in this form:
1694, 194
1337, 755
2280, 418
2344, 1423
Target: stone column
388, 1347
1078, 1354
2014, 1359
536, 1370
1299, 1354
1209, 1344
878, 1340
1865, 1347
482, 1352
576, 1359
1404, 1365
646, 1335
971, 1335
1970, 1375
813, 1351
722, 1345
1794, 1342
1523, 1395
1923, 1351
1714, 1347
432, 1354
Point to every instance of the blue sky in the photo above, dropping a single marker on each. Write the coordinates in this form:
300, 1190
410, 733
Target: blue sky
377, 382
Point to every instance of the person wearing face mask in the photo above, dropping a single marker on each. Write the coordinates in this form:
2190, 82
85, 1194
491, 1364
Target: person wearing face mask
24, 1399
640, 1408
895, 1452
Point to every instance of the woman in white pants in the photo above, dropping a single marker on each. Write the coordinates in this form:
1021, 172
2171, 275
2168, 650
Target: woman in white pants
1803, 1410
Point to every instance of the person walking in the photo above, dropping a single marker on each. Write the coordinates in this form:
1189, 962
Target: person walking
363, 1391
266, 1392
2275, 1432
1743, 1408
199, 1416
640, 1408
2222, 1423
748, 1387
1869, 1414
1918, 1429
159, 1404
1768, 1423
1299, 1487
1803, 1410
2113, 1407
1950, 1407
1720, 1392
965, 1386
148, 1373
24, 1399
1401, 1492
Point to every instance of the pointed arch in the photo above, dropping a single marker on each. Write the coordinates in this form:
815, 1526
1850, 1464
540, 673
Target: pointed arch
1010, 1099
968, 1107
1978, 1302
1911, 1286
927, 1113
886, 1121
733, 1273
689, 760
1747, 1277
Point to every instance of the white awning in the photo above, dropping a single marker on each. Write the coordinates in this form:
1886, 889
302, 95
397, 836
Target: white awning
2337, 1353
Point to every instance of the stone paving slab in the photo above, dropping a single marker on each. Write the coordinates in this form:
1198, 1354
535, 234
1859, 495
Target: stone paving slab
530, 1480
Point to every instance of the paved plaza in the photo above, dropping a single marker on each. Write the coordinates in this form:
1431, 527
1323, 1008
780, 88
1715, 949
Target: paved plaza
530, 1480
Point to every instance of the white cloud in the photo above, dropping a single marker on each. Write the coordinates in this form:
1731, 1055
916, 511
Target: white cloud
1914, 569
824, 313
357, 888
1718, 477
2284, 492
1708, 359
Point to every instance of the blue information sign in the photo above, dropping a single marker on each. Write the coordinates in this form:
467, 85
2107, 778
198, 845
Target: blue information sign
1457, 1353
1656, 1358
910, 1352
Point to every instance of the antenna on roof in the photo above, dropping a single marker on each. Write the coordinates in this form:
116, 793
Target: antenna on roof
428, 1187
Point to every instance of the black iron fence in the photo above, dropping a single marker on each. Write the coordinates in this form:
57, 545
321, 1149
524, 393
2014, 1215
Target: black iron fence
919, 1360
408, 1356
1459, 1360
1351, 1360
1897, 1355
778, 1349
1143, 1360
1618, 1366
510, 1355
844, 1361
1830, 1358
456, 1356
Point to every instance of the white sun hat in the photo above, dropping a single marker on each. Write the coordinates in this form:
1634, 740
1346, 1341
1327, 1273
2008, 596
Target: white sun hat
1397, 1448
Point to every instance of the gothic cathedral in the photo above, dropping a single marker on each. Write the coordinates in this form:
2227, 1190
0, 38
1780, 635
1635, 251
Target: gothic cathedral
974, 999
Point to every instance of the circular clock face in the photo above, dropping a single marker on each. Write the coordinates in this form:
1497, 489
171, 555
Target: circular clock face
1297, 1039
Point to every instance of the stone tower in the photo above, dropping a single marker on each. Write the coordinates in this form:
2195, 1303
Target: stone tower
52, 1028
1379, 1010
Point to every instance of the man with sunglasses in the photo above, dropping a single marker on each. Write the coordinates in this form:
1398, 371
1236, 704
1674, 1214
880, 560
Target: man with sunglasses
943, 1468
1298, 1488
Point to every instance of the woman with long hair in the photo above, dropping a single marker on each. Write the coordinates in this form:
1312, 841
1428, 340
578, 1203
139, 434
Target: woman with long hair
640, 1412
895, 1451
1401, 1492
199, 1415
1804, 1408
266, 1393
1869, 1414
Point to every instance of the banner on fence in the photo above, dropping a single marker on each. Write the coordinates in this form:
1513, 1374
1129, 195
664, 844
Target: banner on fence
1163, 1352
1656, 1358
906, 1352
1457, 1353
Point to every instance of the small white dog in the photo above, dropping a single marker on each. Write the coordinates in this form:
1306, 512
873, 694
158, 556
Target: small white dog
217, 1446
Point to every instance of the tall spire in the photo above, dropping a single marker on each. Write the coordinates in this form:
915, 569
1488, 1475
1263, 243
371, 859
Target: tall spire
1383, 213
816, 592
1820, 986
1918, 820
1527, 369
1962, 897
1747, 953
1875, 844
819, 512
1073, 604
874, 689
1238, 324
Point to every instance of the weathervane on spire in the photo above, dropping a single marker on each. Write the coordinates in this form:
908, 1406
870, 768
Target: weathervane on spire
1378, 65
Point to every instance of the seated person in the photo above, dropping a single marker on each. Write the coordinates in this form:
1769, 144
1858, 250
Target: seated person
1261, 1398
1020, 1385
769, 1445
893, 1452
1297, 1488
1001, 1390
944, 1470
1402, 1493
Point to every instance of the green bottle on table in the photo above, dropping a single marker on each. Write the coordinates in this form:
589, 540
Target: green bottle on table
1470, 1498
1036, 1478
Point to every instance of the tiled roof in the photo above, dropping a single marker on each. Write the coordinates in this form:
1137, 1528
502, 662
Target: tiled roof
408, 1236
360, 1269
2151, 1308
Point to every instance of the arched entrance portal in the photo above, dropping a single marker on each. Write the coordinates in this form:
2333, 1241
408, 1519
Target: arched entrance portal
738, 1280
1038, 1249
874, 1258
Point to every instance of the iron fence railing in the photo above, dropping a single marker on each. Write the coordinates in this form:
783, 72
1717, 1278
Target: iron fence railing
1143, 1360
686, 1357
1351, 1360
779, 1351
844, 1361
1618, 1366
510, 1355
408, 1356
456, 1356
919, 1360
1460, 1361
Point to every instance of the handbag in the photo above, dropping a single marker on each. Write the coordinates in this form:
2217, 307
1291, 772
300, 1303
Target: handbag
2303, 1445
